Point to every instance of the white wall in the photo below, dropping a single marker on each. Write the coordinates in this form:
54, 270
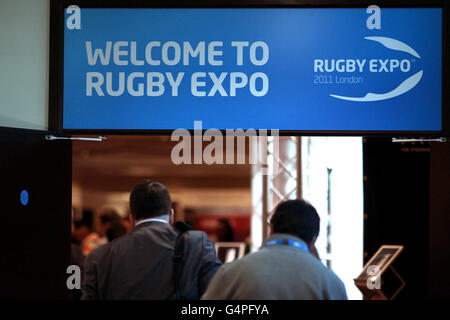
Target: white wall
24, 55
344, 156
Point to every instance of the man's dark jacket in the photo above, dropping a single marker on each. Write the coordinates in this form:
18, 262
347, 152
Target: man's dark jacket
139, 265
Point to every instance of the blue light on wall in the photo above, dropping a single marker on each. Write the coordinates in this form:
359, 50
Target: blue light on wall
24, 197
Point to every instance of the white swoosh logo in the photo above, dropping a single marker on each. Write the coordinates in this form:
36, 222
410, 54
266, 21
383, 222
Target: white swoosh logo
394, 45
405, 86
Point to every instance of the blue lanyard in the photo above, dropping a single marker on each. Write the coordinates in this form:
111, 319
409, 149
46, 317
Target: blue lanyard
291, 243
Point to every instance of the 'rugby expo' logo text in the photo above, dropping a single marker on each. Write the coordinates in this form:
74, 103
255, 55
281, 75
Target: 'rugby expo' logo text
375, 65
354, 66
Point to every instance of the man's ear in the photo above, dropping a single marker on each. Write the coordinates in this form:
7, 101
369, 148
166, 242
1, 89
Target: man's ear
311, 245
171, 217
132, 221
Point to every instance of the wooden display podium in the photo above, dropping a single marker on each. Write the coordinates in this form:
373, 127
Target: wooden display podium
379, 280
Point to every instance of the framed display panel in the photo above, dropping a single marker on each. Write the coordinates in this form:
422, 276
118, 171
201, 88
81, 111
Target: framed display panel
229, 251
310, 67
378, 279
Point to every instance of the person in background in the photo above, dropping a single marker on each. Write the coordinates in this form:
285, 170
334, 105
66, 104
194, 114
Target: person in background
95, 239
283, 268
141, 264
224, 231
80, 230
126, 222
115, 231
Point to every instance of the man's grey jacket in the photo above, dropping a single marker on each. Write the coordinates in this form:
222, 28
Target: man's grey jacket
278, 272
139, 265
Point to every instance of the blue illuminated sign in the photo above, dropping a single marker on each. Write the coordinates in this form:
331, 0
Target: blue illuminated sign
24, 197
287, 69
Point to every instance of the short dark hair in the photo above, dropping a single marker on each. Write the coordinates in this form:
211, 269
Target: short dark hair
109, 216
150, 199
298, 218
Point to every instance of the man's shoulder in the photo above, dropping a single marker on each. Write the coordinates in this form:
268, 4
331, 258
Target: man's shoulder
195, 239
106, 248
324, 273
195, 234
245, 264
99, 253
190, 234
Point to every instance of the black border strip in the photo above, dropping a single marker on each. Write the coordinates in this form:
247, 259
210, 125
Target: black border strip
56, 62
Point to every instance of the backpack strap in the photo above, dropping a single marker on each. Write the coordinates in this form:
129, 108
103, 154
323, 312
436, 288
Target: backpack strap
182, 228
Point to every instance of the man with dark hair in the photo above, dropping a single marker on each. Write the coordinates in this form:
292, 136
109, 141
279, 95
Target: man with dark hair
284, 268
142, 264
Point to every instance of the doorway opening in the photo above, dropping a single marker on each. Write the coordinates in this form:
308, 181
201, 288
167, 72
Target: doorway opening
218, 197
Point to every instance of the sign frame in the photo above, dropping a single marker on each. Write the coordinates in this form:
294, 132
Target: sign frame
239, 246
383, 265
56, 61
